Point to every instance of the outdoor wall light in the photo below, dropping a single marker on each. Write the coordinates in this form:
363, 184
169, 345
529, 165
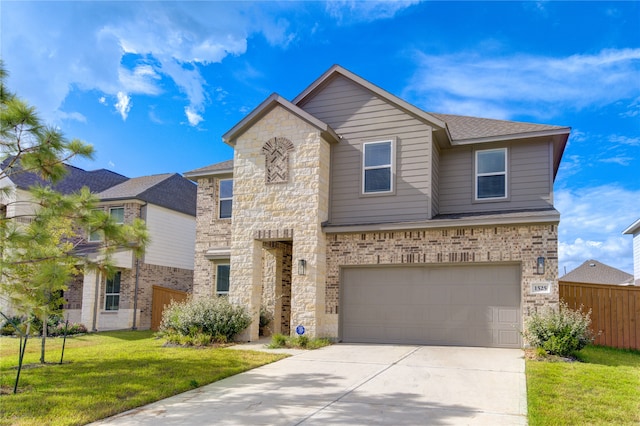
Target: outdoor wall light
540, 266
302, 267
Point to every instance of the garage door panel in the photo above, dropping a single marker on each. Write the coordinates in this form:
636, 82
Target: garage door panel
477, 305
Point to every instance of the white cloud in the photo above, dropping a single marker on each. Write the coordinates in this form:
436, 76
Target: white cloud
193, 117
449, 83
48, 58
625, 140
72, 116
347, 11
592, 221
123, 106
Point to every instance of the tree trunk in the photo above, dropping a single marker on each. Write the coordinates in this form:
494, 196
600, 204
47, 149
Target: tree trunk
45, 319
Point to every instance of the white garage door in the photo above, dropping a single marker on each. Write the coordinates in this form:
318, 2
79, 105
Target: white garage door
474, 305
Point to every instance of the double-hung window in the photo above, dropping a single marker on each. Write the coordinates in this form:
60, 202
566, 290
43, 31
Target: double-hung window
491, 174
377, 167
222, 279
112, 293
225, 198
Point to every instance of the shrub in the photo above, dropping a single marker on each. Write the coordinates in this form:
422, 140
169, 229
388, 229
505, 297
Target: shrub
203, 320
72, 328
301, 342
559, 332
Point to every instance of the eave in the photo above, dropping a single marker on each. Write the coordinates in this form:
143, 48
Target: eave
266, 106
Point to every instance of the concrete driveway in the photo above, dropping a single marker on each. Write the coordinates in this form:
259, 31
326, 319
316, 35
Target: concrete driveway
357, 384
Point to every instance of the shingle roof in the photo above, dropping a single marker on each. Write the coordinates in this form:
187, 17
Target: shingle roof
594, 272
74, 180
463, 127
166, 190
211, 169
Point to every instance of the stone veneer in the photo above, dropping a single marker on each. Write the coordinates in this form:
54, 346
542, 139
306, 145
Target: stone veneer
288, 211
453, 246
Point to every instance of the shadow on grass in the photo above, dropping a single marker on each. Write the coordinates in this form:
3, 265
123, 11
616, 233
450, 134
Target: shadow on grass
613, 357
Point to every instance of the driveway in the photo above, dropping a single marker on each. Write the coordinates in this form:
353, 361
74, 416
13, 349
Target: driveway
357, 384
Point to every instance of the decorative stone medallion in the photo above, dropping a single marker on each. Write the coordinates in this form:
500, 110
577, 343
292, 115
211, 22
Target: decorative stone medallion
276, 151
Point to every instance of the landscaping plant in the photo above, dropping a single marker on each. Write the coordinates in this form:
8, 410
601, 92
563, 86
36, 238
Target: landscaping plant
561, 331
200, 322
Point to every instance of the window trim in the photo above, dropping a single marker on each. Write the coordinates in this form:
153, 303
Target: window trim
477, 175
391, 166
221, 199
218, 265
106, 295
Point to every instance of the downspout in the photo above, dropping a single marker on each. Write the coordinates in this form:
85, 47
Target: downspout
143, 216
135, 295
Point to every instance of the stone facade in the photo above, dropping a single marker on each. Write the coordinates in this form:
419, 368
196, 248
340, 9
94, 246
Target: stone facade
291, 211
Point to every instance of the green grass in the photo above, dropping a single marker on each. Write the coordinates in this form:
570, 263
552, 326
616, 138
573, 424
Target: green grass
107, 373
602, 389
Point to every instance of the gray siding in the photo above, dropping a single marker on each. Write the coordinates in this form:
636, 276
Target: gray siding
435, 180
529, 179
357, 115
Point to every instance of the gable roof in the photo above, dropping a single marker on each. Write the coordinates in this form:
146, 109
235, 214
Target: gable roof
169, 190
449, 129
73, 181
633, 228
267, 105
166, 190
224, 167
594, 272
335, 70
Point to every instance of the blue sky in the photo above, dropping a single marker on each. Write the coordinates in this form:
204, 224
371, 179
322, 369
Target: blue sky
154, 85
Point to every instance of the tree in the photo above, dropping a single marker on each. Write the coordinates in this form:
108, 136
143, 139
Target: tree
42, 248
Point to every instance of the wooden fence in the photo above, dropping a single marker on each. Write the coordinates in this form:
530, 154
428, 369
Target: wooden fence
161, 297
615, 311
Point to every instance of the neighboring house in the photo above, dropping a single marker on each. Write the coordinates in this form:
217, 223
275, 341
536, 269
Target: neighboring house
166, 202
594, 272
360, 217
634, 229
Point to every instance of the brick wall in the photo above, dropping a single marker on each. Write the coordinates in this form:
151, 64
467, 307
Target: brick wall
494, 244
210, 232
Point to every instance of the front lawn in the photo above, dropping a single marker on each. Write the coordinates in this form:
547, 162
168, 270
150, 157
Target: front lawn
603, 387
107, 373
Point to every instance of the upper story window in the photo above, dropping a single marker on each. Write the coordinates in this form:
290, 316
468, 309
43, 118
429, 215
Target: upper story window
377, 167
117, 214
491, 174
225, 198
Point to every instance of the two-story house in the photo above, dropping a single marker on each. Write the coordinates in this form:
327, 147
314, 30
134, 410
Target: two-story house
166, 202
360, 217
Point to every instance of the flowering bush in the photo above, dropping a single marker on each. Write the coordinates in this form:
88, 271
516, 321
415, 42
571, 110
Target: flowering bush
203, 321
559, 332
72, 328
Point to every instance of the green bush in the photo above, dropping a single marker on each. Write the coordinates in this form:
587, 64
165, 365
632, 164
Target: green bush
559, 331
203, 321
300, 342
